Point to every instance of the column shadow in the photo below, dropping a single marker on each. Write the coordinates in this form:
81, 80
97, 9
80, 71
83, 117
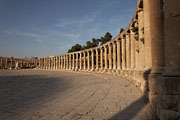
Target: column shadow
140, 109
23, 92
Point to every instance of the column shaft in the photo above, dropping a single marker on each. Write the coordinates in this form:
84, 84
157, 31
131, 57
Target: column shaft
101, 57
123, 53
97, 59
80, 61
105, 58
141, 39
84, 54
114, 57
73, 62
67, 61
77, 60
92, 59
132, 34
118, 55
128, 59
110, 56
70, 63
88, 60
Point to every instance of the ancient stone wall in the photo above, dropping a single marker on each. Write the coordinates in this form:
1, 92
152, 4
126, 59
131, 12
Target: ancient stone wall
15, 63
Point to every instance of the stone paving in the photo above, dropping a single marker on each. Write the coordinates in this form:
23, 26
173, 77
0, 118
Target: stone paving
65, 95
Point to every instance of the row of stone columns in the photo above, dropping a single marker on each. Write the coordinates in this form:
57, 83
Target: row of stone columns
115, 55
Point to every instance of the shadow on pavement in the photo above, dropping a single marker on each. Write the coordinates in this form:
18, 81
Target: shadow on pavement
131, 111
20, 93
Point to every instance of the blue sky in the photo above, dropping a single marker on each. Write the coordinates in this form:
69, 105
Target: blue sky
50, 27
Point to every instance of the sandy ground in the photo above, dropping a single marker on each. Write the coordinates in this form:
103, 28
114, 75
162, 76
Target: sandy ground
65, 95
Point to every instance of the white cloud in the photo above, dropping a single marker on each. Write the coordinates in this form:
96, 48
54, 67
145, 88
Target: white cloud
89, 18
34, 36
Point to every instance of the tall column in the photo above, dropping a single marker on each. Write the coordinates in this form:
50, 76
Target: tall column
97, 59
123, 53
141, 38
88, 60
70, 65
148, 58
118, 55
73, 67
11, 62
157, 38
92, 59
44, 66
57, 62
157, 50
105, 57
54, 62
128, 50
77, 60
136, 49
67, 61
49, 64
110, 56
101, 57
84, 54
80, 61
114, 56
64, 56
132, 34
61, 62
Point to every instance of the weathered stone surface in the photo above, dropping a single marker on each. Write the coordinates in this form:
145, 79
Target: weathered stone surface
169, 115
169, 85
62, 95
169, 102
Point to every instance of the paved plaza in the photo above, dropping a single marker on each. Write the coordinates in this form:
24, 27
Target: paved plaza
65, 95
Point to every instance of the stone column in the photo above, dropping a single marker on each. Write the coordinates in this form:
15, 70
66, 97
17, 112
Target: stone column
148, 58
132, 34
84, 54
64, 56
67, 61
105, 58
141, 39
123, 53
88, 60
157, 38
114, 56
136, 49
70, 65
54, 62
97, 59
118, 55
57, 62
49, 64
77, 60
44, 63
101, 57
80, 61
110, 56
92, 59
73, 66
11, 63
157, 48
128, 59
61, 61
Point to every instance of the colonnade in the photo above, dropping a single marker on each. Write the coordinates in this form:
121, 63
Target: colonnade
124, 55
141, 53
